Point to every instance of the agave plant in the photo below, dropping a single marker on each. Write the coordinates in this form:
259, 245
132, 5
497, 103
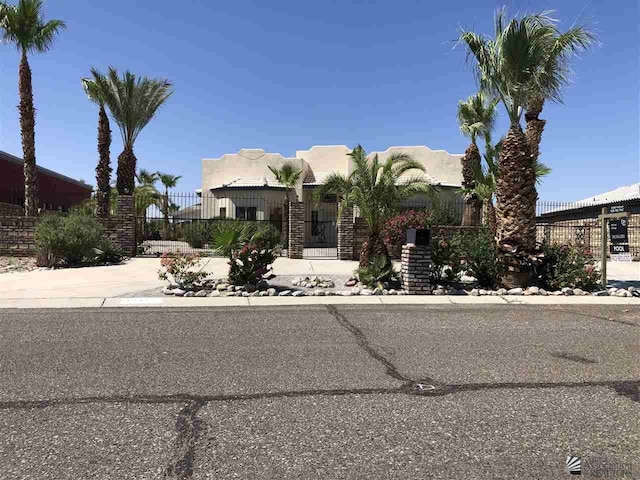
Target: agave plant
376, 273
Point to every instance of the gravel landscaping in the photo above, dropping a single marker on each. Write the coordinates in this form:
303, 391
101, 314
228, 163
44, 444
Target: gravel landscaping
17, 264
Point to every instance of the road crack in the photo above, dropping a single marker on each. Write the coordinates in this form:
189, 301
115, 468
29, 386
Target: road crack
188, 427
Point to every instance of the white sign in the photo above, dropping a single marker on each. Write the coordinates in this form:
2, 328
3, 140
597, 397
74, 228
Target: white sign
621, 257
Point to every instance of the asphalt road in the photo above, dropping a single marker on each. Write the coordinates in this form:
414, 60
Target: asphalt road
495, 391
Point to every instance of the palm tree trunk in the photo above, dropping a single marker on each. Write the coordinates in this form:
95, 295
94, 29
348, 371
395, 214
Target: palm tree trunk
490, 212
535, 126
103, 170
165, 213
373, 246
126, 173
471, 214
28, 133
516, 193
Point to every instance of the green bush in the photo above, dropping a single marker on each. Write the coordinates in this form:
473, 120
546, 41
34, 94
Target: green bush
446, 259
230, 235
481, 257
71, 239
377, 272
568, 266
249, 264
197, 234
106, 252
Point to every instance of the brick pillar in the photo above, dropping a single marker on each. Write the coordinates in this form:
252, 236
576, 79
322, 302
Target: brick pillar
360, 235
296, 230
416, 269
126, 228
345, 233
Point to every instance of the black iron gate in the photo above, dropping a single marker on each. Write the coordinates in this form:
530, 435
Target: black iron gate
321, 229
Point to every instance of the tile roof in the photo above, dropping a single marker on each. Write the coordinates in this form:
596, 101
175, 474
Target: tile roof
316, 178
250, 182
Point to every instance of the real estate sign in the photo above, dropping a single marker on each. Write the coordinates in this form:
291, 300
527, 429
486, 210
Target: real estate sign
619, 234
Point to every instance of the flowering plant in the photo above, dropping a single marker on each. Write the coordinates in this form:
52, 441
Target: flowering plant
569, 266
395, 230
250, 263
179, 268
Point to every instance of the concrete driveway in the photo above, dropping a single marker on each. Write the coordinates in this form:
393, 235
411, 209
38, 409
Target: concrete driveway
320, 392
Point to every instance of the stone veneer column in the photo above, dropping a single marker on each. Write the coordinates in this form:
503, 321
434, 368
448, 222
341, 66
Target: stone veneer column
345, 233
296, 230
416, 269
126, 228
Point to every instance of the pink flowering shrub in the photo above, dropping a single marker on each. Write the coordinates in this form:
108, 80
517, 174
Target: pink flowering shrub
183, 269
249, 264
569, 266
395, 230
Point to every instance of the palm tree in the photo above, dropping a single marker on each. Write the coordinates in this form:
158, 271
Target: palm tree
24, 26
289, 176
476, 116
93, 87
133, 101
169, 181
376, 188
559, 52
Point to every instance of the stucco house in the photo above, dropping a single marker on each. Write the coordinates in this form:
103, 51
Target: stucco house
240, 185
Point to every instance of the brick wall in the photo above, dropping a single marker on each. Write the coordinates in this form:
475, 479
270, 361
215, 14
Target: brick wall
10, 210
16, 236
296, 229
345, 233
360, 234
121, 228
416, 269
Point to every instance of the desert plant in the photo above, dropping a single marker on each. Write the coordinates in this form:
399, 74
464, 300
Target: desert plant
480, 257
69, 238
377, 188
231, 235
24, 26
198, 234
446, 259
249, 264
568, 266
49, 239
106, 252
378, 272
133, 101
182, 269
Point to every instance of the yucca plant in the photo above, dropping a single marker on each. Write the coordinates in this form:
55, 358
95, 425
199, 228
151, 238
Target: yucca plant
133, 101
24, 26
377, 188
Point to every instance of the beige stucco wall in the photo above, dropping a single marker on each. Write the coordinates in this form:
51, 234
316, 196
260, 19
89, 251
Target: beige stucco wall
327, 158
438, 163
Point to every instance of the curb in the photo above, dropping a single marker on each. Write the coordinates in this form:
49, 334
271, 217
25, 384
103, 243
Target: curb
114, 302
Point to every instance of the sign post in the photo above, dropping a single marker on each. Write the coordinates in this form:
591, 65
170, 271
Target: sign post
619, 234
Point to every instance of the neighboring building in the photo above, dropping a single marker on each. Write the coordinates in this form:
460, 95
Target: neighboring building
55, 191
578, 223
241, 185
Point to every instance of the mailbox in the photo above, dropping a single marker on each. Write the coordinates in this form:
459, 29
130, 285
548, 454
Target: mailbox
419, 236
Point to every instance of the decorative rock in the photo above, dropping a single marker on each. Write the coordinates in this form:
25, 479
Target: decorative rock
543, 292
344, 293
352, 282
296, 281
222, 286
385, 291
631, 289
356, 290
190, 294
263, 293
600, 293
201, 293
393, 292
578, 291
237, 294
402, 292
173, 286
515, 291
178, 292
250, 287
215, 293
623, 293
271, 292
439, 291
298, 293
475, 292
254, 293
366, 292
319, 293
309, 285
532, 291
482, 292
557, 293
167, 291
501, 291
567, 291
613, 291
231, 288
377, 291
284, 293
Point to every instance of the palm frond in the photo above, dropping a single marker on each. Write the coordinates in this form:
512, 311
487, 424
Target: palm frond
24, 26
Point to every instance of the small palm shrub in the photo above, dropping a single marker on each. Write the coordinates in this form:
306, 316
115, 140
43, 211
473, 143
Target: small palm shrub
106, 252
378, 272
70, 239
184, 270
568, 266
480, 257
230, 235
249, 264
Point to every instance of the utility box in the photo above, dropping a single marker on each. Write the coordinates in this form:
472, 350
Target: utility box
418, 236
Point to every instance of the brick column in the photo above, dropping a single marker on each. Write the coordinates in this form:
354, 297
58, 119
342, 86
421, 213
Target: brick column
296, 230
345, 233
360, 235
126, 227
416, 269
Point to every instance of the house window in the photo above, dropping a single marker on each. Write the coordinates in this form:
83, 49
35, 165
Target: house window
314, 222
223, 212
246, 213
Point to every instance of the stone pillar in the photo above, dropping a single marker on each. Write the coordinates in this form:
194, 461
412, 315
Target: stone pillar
345, 233
296, 230
126, 228
416, 269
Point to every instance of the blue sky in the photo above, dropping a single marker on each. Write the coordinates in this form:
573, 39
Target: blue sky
286, 75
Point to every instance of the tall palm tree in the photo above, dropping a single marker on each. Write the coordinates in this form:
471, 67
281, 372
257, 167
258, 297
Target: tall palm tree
24, 26
289, 176
93, 87
507, 67
559, 52
168, 181
377, 188
146, 194
133, 101
476, 117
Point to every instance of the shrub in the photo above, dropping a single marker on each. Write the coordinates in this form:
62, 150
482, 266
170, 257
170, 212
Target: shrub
106, 252
231, 235
198, 234
70, 238
395, 229
179, 268
249, 264
481, 258
568, 266
377, 272
446, 259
